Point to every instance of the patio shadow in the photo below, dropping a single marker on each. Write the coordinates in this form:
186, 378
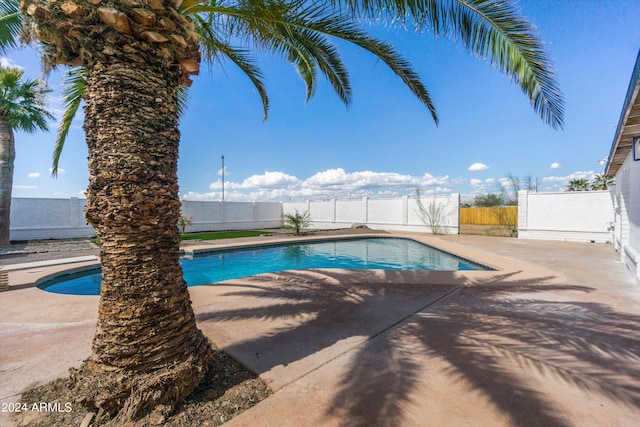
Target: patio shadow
518, 342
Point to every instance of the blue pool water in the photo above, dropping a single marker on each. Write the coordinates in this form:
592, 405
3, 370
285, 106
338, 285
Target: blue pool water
362, 253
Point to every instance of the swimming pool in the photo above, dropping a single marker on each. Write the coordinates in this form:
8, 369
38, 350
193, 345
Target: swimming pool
354, 253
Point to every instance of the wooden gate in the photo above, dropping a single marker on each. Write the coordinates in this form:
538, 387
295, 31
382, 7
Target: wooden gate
504, 215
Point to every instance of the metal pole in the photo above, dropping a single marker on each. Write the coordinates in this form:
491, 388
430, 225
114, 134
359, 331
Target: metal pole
222, 177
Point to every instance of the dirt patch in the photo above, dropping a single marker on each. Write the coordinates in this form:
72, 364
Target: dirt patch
227, 390
484, 230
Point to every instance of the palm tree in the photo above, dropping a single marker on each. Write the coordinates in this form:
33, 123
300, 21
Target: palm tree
10, 24
184, 222
21, 108
147, 350
578, 184
602, 182
297, 221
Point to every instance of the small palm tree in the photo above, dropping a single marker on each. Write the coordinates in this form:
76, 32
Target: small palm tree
579, 184
297, 221
22, 107
184, 222
602, 182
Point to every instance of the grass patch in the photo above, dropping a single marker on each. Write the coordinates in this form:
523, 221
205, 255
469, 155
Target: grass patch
214, 235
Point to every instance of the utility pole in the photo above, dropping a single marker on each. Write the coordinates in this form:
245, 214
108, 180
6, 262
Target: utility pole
222, 157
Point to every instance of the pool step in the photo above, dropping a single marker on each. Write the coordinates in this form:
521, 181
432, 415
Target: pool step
27, 265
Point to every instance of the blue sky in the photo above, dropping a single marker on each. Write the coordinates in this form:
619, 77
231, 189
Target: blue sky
384, 144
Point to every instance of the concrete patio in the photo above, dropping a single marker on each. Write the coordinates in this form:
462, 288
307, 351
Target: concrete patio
551, 338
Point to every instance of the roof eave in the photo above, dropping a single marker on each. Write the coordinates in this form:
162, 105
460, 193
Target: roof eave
628, 125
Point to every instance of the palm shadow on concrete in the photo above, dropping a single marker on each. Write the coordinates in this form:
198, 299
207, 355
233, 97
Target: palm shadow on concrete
311, 311
495, 345
499, 340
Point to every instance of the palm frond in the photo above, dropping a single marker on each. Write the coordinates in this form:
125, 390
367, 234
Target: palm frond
182, 100
22, 103
260, 23
75, 84
212, 48
10, 24
325, 56
491, 29
291, 47
300, 28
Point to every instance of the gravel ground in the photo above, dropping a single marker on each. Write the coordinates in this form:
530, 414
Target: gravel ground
43, 250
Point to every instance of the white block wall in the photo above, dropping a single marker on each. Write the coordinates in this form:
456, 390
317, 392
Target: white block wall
33, 219
222, 216
378, 214
581, 216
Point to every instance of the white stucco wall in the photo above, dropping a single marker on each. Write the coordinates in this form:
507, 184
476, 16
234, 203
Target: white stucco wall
399, 214
582, 216
220, 216
386, 211
626, 201
346, 212
33, 218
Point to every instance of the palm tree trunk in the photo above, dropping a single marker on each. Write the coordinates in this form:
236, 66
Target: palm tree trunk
147, 350
7, 156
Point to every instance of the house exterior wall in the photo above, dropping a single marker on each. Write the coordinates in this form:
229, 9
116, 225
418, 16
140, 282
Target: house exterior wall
580, 216
626, 200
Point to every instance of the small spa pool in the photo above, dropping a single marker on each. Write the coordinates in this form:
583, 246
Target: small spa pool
383, 253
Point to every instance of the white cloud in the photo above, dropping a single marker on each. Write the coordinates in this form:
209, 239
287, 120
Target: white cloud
369, 183
555, 165
270, 180
560, 183
478, 167
6, 63
505, 182
338, 178
331, 183
264, 181
565, 179
34, 175
329, 178
481, 186
60, 171
25, 187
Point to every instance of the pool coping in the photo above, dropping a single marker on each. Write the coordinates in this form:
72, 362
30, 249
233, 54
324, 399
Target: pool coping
46, 263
